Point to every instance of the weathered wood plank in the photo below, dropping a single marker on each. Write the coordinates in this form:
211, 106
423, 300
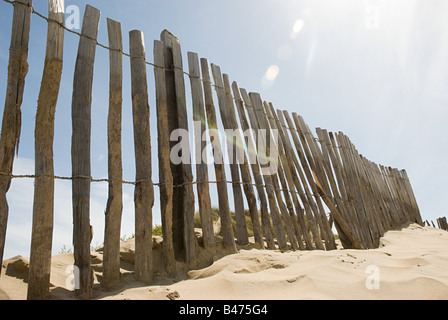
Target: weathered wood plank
373, 224
184, 219
353, 190
413, 200
296, 172
340, 195
187, 175
241, 97
347, 190
10, 134
256, 116
285, 176
314, 157
218, 161
81, 124
173, 124
43, 206
396, 216
165, 175
205, 207
114, 208
288, 185
376, 174
378, 202
352, 172
244, 165
144, 193
241, 229
314, 217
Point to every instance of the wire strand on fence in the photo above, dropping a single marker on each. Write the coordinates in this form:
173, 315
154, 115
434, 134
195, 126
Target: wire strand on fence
159, 184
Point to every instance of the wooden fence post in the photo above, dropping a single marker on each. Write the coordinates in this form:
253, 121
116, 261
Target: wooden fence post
43, 206
176, 169
410, 193
10, 134
286, 176
284, 202
81, 123
183, 213
244, 165
144, 193
241, 229
380, 183
257, 119
295, 169
218, 161
355, 191
313, 221
314, 157
256, 170
254, 165
205, 206
339, 191
370, 217
165, 176
114, 208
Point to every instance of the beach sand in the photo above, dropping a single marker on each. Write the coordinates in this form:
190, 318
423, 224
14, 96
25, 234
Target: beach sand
411, 263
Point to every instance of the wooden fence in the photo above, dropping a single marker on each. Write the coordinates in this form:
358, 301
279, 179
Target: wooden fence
314, 173
441, 223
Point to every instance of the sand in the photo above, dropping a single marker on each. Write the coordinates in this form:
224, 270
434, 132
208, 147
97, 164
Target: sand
411, 263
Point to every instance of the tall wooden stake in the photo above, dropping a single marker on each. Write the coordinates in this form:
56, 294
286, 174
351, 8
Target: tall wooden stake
81, 123
10, 135
114, 208
254, 164
241, 229
165, 176
223, 198
41, 239
183, 210
144, 193
205, 206
256, 115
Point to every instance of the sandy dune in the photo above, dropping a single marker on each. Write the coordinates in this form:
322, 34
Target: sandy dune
410, 264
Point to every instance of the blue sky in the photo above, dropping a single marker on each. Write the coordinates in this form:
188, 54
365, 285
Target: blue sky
375, 70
